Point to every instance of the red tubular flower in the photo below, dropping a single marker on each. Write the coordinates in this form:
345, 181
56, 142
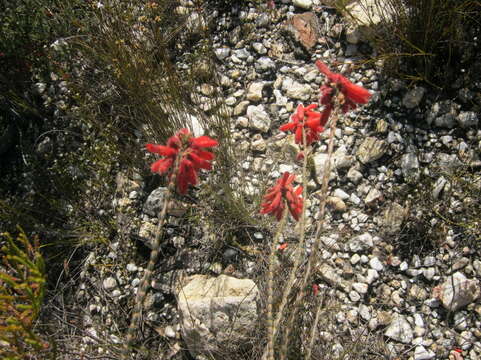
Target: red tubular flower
304, 118
191, 154
281, 194
353, 94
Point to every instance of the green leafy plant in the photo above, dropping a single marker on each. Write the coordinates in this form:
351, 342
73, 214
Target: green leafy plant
22, 282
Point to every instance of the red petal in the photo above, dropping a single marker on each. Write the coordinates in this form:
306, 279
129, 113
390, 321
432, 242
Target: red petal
298, 137
174, 142
277, 200
161, 166
300, 112
310, 107
298, 190
283, 180
161, 150
288, 126
355, 92
324, 69
206, 155
325, 115
198, 162
203, 141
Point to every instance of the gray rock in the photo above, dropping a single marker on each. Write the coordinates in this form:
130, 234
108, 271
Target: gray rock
259, 48
153, 204
399, 330
371, 150
410, 166
265, 64
258, 118
254, 91
217, 314
296, 90
413, 97
354, 176
457, 291
393, 218
443, 114
360, 243
439, 186
222, 53
467, 119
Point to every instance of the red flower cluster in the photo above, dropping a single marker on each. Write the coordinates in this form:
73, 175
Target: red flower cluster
189, 151
304, 118
353, 94
283, 192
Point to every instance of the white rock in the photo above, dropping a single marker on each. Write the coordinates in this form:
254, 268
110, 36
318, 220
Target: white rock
457, 291
217, 313
371, 276
361, 288
296, 90
399, 330
109, 283
254, 91
258, 118
341, 194
420, 353
360, 243
303, 4
467, 119
376, 264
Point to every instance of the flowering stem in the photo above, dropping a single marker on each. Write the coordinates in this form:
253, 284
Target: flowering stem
154, 254
313, 256
270, 286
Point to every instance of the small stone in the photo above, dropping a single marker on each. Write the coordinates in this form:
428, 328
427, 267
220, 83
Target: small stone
413, 97
222, 53
467, 119
410, 166
376, 264
360, 243
461, 263
354, 176
372, 275
109, 283
296, 90
373, 197
303, 4
420, 353
240, 108
400, 330
355, 259
258, 118
169, 332
254, 91
429, 273
354, 296
341, 194
337, 204
371, 150
457, 291
361, 288
131, 267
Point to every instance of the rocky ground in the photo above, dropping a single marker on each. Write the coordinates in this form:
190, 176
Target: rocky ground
400, 252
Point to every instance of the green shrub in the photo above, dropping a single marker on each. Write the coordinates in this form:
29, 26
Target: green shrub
426, 40
22, 281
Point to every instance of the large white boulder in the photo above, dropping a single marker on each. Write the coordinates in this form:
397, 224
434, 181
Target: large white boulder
217, 313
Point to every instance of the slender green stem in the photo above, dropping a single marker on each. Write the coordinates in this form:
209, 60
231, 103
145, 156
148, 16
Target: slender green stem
313, 256
270, 285
154, 255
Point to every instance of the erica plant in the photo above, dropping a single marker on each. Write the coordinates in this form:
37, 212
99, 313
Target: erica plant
182, 158
338, 96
